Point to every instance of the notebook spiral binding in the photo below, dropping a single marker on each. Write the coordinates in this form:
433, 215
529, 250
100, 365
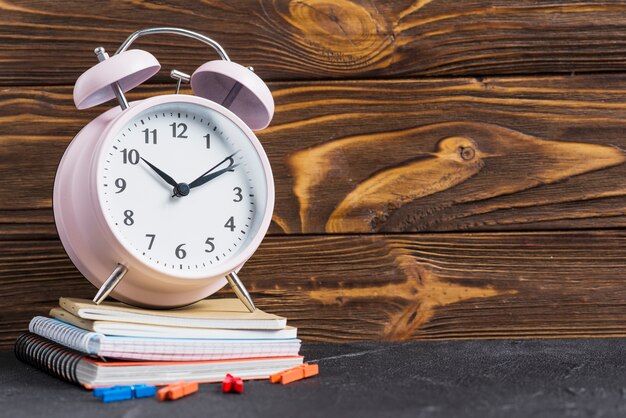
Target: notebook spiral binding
65, 334
48, 356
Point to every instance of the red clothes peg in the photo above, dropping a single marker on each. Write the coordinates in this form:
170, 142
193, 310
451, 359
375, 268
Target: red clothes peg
232, 384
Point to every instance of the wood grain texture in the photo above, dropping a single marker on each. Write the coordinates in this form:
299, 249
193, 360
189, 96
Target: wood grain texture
52, 42
346, 288
390, 156
367, 170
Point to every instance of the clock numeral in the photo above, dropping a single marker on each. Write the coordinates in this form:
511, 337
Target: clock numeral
230, 224
176, 127
209, 242
130, 156
208, 141
152, 133
180, 252
128, 217
120, 183
152, 237
237, 191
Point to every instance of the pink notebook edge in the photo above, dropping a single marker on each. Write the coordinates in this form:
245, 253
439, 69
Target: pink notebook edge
161, 363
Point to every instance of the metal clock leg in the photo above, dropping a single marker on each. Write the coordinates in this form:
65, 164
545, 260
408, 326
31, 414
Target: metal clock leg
110, 283
240, 291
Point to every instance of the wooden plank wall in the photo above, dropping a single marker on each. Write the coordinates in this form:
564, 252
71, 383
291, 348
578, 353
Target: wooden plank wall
443, 169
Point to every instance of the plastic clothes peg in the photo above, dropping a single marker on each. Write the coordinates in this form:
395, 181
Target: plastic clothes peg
114, 393
177, 390
232, 384
295, 373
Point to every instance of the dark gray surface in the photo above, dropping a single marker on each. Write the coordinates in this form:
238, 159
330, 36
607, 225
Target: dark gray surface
538, 378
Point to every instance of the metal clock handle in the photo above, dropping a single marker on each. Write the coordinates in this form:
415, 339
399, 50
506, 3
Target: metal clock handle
179, 76
173, 31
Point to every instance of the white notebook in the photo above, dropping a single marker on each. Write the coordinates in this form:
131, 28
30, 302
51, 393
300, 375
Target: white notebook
130, 329
92, 374
159, 349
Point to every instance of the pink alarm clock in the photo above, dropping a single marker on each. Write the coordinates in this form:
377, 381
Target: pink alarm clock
161, 201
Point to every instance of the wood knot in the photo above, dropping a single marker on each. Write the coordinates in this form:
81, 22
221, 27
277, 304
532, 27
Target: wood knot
340, 29
467, 153
459, 148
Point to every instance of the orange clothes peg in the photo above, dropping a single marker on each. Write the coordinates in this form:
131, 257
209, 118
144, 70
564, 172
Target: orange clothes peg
177, 390
295, 373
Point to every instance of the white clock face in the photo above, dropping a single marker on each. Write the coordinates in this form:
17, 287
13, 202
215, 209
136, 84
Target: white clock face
182, 187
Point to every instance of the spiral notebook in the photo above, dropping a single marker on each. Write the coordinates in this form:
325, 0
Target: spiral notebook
79, 368
159, 349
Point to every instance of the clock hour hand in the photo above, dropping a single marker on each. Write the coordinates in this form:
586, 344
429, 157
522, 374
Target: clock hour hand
210, 175
161, 174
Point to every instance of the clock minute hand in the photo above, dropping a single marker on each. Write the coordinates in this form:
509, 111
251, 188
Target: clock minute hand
161, 173
231, 163
208, 177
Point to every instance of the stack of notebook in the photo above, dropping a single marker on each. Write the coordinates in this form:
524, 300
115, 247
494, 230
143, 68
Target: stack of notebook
116, 344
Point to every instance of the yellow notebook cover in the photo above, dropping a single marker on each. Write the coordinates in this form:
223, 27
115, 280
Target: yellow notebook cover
227, 313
